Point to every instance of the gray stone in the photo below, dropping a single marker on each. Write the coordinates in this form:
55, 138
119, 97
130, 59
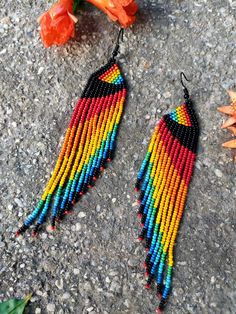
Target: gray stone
65, 296
133, 262
82, 215
218, 173
59, 283
90, 309
51, 307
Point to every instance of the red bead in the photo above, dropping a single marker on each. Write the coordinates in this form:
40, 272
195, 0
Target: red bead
147, 286
68, 212
34, 234
17, 233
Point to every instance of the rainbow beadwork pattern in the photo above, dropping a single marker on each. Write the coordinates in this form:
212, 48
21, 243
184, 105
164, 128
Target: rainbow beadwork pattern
89, 143
181, 116
163, 181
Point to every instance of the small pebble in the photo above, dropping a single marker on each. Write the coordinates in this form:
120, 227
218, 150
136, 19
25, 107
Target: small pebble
65, 296
78, 226
167, 95
81, 215
218, 173
59, 284
133, 262
40, 70
51, 307
90, 309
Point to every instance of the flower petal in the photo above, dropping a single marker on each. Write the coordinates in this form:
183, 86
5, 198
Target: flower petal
74, 18
232, 95
227, 109
122, 11
57, 24
230, 144
232, 129
229, 122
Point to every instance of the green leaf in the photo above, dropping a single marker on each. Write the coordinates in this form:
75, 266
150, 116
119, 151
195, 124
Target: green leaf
14, 306
76, 5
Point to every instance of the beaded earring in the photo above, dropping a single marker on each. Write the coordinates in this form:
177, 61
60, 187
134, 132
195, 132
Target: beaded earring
89, 143
163, 181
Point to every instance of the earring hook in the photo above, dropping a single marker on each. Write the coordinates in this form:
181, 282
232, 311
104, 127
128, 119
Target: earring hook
186, 93
120, 35
117, 46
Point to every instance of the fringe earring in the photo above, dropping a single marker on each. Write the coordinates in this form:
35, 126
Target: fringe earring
163, 181
89, 142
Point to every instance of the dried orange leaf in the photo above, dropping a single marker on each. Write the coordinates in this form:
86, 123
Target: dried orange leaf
232, 129
230, 144
229, 122
227, 109
232, 95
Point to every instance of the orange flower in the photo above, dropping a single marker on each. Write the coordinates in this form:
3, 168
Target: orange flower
122, 11
57, 24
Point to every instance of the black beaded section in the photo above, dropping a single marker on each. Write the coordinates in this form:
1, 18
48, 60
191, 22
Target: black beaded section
111, 155
143, 218
53, 221
22, 229
162, 304
76, 198
35, 230
160, 288
141, 195
178, 130
96, 88
150, 279
141, 208
68, 208
138, 184
142, 234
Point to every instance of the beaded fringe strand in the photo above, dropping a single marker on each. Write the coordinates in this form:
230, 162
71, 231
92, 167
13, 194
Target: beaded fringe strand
163, 182
89, 142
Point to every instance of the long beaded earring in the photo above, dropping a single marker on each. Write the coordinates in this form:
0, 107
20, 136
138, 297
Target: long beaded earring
89, 142
163, 181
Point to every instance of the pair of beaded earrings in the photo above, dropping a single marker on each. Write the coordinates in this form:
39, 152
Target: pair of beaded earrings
163, 178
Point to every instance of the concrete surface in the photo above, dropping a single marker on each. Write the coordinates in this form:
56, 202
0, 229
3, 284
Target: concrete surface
93, 264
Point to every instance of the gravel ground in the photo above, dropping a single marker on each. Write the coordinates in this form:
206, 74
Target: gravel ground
93, 263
